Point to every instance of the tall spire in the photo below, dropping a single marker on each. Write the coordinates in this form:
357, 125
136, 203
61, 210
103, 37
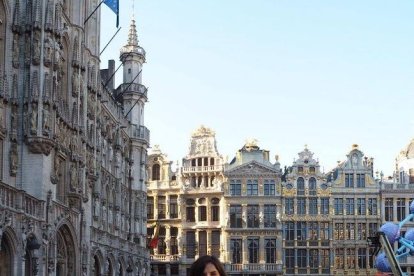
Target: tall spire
132, 35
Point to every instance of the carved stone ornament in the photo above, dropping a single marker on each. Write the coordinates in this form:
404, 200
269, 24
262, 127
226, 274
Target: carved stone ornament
14, 159
36, 47
33, 120
40, 145
54, 176
15, 55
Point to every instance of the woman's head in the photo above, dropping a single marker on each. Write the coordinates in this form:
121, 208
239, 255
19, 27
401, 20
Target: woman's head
207, 266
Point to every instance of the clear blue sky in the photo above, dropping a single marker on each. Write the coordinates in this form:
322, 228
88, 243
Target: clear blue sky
288, 73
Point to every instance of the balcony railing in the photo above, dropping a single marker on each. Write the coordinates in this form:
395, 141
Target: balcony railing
132, 88
140, 132
397, 186
254, 267
202, 169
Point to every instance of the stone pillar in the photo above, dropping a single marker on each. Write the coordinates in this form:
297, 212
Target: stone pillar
245, 250
261, 250
197, 255
208, 241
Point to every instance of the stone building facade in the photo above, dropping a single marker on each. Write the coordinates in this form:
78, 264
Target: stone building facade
396, 195
306, 200
252, 224
355, 196
73, 151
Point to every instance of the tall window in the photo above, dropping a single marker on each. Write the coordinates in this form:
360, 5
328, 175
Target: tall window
361, 231
269, 187
360, 180
339, 231
301, 231
269, 215
215, 243
325, 206
161, 207
312, 186
252, 216
389, 209
302, 258
162, 246
236, 216
156, 175
349, 180
400, 209
190, 244
252, 187
362, 257
253, 246
190, 214
339, 206
361, 206
202, 213
324, 231
289, 231
372, 207
270, 249
300, 186
235, 187
150, 207
173, 240
202, 243
339, 258
236, 251
301, 206
350, 231
314, 260
372, 229
290, 258
350, 257
313, 206
215, 213
325, 260
350, 206
313, 230
289, 206
173, 206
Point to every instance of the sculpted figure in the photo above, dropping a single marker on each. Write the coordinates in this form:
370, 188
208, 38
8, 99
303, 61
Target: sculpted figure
33, 121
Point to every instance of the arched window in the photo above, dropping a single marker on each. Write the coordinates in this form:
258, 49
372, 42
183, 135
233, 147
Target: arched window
312, 186
6, 256
300, 186
156, 175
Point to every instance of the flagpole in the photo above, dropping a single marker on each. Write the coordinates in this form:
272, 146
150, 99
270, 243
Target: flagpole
100, 3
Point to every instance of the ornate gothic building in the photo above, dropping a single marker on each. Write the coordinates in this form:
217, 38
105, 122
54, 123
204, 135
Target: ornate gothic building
72, 148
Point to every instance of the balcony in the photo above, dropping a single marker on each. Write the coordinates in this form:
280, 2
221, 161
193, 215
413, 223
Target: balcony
258, 268
135, 88
141, 133
165, 258
200, 169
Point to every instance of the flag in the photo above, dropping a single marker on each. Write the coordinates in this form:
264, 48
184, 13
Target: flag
114, 6
154, 241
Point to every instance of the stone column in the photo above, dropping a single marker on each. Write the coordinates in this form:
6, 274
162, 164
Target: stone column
168, 269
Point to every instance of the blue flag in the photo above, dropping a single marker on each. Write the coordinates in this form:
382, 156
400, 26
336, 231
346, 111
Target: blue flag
114, 6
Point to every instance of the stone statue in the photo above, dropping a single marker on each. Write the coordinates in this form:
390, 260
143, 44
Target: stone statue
13, 160
33, 121
48, 49
75, 83
36, 47
73, 178
96, 207
15, 57
45, 118
56, 166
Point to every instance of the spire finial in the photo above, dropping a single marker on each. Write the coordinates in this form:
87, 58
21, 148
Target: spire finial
132, 35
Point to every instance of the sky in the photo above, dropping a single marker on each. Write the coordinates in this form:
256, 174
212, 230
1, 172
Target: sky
327, 74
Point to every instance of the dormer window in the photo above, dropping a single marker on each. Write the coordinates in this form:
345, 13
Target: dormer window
312, 169
300, 169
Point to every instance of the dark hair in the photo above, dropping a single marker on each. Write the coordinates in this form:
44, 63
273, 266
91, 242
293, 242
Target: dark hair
197, 268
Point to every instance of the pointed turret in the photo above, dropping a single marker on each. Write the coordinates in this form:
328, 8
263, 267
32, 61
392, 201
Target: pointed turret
133, 93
